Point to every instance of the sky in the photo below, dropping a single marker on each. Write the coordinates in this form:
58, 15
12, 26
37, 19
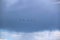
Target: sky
29, 20
30, 15
40, 35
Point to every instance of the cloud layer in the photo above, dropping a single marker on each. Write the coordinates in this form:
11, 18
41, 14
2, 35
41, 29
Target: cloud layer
43, 35
30, 14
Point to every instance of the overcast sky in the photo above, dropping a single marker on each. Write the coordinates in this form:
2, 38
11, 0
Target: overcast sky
43, 35
30, 15
29, 20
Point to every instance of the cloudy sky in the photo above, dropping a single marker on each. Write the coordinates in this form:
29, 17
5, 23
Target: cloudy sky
43, 35
29, 20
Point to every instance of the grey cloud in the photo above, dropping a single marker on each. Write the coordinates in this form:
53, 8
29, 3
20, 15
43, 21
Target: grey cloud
31, 15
